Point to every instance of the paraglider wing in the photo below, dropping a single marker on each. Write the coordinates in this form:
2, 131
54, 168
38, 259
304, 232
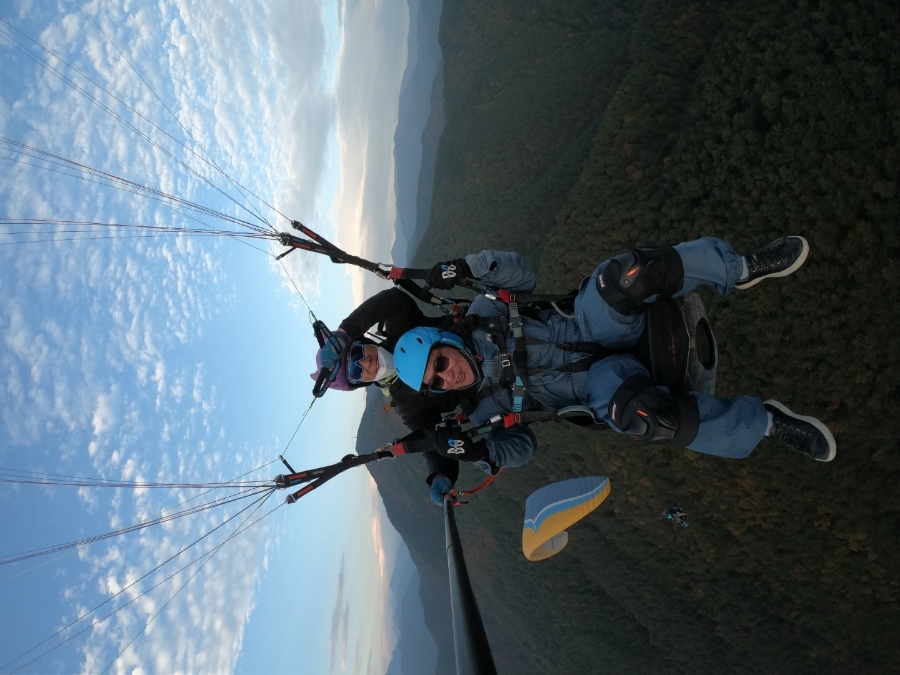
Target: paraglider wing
555, 507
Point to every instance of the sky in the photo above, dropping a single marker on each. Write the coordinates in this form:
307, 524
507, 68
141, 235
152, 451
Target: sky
187, 358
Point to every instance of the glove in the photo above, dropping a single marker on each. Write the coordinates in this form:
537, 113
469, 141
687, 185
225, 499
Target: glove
445, 275
440, 486
330, 353
453, 443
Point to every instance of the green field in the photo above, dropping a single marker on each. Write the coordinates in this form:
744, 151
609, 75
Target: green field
575, 129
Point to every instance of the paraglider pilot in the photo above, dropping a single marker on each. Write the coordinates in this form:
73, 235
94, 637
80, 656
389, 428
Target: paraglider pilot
357, 361
677, 515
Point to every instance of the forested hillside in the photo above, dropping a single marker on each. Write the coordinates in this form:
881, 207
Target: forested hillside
525, 86
744, 120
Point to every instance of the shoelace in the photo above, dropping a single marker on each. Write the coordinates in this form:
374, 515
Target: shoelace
763, 260
792, 436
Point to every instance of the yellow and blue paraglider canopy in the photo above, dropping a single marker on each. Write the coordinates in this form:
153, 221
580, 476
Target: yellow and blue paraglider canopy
555, 507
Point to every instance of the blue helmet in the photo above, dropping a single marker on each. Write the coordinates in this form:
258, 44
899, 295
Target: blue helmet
413, 347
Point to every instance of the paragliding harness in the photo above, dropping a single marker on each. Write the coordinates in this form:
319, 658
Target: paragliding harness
677, 347
514, 372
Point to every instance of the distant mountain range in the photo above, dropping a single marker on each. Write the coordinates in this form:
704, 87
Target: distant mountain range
401, 484
419, 125
416, 651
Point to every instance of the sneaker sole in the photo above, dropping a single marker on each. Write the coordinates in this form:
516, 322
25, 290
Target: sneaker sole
783, 273
832, 444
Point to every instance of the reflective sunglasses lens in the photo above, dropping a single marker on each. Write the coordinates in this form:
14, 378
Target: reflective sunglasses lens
441, 363
354, 365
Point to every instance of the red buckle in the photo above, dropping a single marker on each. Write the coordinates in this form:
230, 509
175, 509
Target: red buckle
395, 273
398, 449
460, 417
505, 296
510, 419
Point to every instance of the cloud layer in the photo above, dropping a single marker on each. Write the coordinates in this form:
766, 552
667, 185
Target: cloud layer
370, 70
296, 101
96, 335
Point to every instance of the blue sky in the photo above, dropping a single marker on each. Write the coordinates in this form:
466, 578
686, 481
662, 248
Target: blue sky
187, 359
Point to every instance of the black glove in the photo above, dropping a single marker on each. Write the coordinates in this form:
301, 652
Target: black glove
445, 275
453, 443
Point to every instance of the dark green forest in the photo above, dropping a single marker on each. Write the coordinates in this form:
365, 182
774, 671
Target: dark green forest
575, 129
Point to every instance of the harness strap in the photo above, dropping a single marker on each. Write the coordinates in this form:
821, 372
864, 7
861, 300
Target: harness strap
520, 356
451, 305
507, 297
527, 417
579, 366
412, 443
517, 379
589, 348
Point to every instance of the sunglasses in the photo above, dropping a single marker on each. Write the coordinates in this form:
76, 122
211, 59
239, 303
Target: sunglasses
441, 363
354, 363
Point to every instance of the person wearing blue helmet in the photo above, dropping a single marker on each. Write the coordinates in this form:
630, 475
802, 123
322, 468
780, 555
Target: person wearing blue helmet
557, 367
358, 361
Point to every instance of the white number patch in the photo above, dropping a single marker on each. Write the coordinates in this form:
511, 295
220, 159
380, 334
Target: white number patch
457, 447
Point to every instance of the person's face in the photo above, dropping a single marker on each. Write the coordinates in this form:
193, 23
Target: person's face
369, 363
447, 369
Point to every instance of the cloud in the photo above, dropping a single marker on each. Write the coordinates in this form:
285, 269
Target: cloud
104, 417
297, 101
361, 636
371, 63
384, 546
340, 626
90, 329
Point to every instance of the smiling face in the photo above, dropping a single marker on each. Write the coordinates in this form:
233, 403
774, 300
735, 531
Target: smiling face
369, 363
448, 364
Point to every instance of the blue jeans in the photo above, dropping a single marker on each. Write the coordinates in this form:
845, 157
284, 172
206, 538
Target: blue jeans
728, 428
